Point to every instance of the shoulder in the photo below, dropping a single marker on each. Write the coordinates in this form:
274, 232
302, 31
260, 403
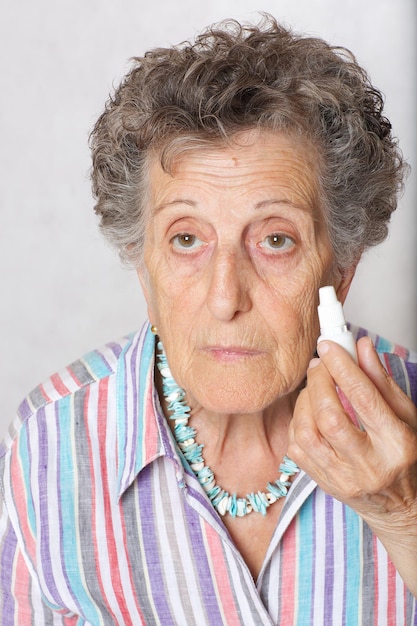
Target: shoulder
64, 388
400, 362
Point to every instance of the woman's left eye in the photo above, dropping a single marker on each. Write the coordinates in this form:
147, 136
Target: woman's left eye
277, 241
186, 241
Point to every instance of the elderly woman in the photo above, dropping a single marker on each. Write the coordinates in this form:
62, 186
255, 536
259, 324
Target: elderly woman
211, 469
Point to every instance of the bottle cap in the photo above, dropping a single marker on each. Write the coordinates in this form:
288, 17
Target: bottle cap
330, 309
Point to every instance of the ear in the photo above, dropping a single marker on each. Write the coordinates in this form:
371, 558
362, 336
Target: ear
342, 285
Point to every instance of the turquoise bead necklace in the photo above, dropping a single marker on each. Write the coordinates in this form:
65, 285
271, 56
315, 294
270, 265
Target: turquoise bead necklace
185, 435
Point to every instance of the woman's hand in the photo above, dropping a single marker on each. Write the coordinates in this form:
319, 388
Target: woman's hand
374, 470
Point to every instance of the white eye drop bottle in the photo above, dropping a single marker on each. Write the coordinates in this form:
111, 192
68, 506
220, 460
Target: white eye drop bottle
332, 321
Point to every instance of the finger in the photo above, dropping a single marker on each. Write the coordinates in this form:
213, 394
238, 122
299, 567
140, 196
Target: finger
373, 410
327, 453
303, 430
306, 446
393, 395
330, 416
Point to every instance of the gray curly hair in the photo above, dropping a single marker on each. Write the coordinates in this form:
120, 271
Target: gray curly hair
236, 78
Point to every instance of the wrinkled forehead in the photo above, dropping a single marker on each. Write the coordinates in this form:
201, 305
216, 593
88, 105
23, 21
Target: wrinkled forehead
176, 147
265, 162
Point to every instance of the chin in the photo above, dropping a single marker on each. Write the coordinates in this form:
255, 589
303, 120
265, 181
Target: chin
242, 388
232, 399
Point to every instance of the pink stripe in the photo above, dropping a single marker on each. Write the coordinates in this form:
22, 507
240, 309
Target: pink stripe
59, 385
74, 377
110, 534
22, 583
151, 435
70, 621
222, 576
43, 392
97, 547
102, 409
289, 557
400, 351
392, 595
376, 585
20, 499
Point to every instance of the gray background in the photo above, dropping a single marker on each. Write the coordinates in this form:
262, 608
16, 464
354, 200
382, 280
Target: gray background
63, 292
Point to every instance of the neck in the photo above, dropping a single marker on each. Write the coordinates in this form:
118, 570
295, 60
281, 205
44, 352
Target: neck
185, 434
265, 430
244, 450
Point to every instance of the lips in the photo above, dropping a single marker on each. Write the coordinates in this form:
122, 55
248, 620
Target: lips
231, 353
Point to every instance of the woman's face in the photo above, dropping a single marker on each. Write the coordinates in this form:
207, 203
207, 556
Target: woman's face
236, 250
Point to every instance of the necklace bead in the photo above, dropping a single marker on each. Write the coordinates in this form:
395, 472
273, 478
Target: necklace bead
185, 435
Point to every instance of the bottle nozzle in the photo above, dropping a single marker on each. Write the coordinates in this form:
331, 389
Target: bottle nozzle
330, 309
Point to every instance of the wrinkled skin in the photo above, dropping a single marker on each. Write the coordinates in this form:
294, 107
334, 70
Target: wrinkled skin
237, 315
236, 250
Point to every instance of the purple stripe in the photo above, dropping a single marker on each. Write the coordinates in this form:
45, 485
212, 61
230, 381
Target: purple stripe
207, 590
411, 369
9, 546
329, 563
47, 544
153, 557
116, 348
25, 410
151, 546
345, 568
3, 449
314, 551
361, 333
203, 500
60, 458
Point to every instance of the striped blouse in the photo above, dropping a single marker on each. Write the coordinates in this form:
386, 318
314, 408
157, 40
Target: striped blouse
103, 522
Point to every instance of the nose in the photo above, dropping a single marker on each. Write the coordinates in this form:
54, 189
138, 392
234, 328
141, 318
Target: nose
229, 287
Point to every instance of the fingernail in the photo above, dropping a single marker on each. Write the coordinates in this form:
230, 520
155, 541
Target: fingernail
322, 347
370, 342
314, 362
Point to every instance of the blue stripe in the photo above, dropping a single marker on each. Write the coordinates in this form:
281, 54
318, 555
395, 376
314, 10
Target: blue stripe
147, 354
383, 345
25, 460
133, 382
305, 564
96, 364
68, 519
121, 413
353, 558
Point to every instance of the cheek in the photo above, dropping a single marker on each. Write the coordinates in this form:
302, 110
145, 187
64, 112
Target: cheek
292, 296
157, 286
174, 311
290, 310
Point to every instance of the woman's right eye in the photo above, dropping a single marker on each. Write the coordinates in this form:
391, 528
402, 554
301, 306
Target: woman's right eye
186, 241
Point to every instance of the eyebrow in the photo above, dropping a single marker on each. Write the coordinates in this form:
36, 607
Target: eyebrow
165, 205
293, 205
258, 206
